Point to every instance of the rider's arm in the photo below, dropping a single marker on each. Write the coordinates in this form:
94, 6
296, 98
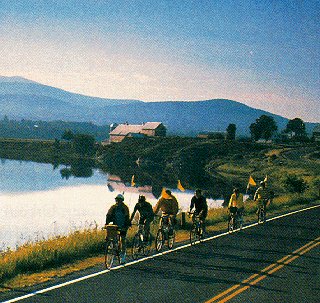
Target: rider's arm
192, 204
176, 205
157, 206
230, 201
256, 194
133, 213
127, 216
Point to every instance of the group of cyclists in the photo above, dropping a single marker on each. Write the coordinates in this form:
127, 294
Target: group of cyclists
262, 197
119, 214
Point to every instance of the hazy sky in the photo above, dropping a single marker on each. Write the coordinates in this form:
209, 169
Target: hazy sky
262, 53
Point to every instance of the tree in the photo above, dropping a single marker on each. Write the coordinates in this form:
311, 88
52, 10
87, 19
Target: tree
83, 144
263, 128
297, 128
231, 131
5, 119
67, 135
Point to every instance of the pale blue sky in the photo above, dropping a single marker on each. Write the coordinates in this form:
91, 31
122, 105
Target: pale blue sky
262, 53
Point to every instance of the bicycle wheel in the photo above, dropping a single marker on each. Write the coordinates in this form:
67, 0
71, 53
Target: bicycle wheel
159, 240
260, 215
109, 254
264, 215
193, 234
136, 246
231, 225
200, 232
240, 222
171, 239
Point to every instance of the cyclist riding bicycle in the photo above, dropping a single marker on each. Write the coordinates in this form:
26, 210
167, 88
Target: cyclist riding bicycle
146, 215
169, 206
236, 205
118, 214
199, 202
261, 195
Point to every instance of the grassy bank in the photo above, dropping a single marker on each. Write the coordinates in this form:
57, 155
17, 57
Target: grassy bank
38, 262
45, 151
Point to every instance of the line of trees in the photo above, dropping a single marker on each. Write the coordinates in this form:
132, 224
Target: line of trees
265, 127
32, 129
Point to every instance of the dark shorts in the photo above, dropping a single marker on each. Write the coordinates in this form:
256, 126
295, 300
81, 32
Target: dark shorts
233, 210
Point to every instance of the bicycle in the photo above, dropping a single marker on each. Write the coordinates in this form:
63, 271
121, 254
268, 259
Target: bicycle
232, 222
113, 245
196, 230
262, 213
139, 244
165, 232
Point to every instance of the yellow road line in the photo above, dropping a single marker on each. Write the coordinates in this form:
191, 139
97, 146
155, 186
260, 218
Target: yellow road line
255, 278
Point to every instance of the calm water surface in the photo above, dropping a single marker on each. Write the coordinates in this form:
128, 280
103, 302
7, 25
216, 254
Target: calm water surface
37, 202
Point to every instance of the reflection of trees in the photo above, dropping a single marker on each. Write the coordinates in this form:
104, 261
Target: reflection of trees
65, 173
214, 186
80, 168
55, 163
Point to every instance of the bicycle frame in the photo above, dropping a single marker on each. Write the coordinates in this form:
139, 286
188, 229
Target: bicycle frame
139, 244
164, 232
232, 223
262, 213
113, 249
196, 230
197, 221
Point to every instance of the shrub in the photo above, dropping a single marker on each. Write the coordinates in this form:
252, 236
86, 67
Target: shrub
294, 184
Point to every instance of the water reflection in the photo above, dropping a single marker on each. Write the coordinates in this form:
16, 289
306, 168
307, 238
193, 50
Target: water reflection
42, 200
78, 168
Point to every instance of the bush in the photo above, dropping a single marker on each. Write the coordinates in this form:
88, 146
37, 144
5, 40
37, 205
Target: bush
294, 184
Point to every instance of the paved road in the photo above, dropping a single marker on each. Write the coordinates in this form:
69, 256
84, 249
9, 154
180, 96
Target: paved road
279, 260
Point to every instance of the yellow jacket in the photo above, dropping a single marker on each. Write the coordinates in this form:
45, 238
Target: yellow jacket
168, 206
261, 194
236, 201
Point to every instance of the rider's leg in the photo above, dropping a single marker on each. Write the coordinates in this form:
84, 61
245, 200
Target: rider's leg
203, 219
172, 224
147, 228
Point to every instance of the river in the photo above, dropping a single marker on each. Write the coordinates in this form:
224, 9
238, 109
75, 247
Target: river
39, 201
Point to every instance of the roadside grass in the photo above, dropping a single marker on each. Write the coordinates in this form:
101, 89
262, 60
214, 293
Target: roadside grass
39, 262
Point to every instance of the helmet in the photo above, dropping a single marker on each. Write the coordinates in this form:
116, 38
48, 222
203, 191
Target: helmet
119, 197
168, 192
198, 191
142, 199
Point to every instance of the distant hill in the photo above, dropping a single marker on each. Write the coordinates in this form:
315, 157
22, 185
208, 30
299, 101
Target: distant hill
24, 99
20, 86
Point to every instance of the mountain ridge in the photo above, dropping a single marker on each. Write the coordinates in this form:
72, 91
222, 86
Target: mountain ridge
20, 99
